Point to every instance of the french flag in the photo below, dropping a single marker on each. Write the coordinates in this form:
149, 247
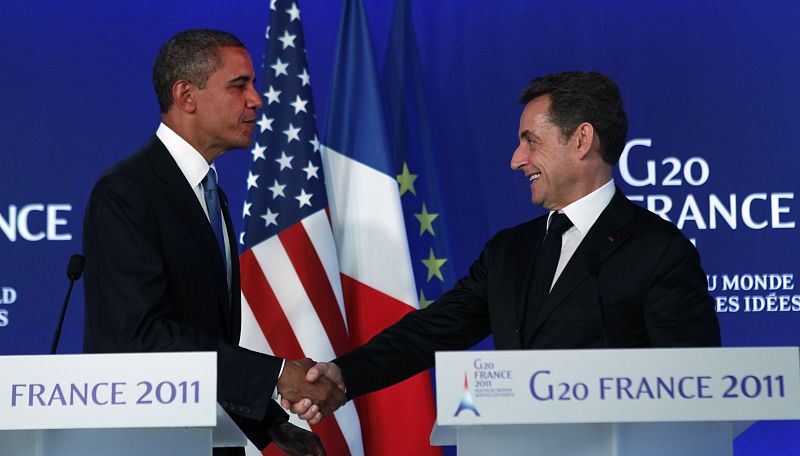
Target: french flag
371, 243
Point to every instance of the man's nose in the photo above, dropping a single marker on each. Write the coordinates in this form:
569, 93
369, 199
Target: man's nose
254, 98
518, 158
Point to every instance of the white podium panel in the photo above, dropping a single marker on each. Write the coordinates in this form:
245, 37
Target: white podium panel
591, 439
611, 402
124, 404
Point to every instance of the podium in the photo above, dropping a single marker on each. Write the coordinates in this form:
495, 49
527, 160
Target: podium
611, 402
122, 404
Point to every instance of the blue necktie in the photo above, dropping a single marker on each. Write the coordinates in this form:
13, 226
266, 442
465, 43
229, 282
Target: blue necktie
211, 192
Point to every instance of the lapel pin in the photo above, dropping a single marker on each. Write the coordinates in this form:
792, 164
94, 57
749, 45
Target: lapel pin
610, 238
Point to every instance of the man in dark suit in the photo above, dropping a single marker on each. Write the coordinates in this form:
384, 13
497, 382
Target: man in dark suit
162, 271
596, 272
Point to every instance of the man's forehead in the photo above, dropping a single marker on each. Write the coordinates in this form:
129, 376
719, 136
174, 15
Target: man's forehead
235, 63
540, 104
536, 113
234, 54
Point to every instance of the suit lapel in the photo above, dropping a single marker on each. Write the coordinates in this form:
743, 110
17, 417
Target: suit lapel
184, 202
606, 235
522, 269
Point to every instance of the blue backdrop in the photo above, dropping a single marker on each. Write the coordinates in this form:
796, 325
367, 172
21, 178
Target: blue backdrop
710, 90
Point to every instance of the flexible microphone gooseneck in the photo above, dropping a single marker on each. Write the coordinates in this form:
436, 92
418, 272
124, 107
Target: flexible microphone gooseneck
593, 258
74, 271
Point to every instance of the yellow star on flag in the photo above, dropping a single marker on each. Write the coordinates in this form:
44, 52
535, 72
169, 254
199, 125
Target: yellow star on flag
426, 220
423, 303
434, 266
406, 181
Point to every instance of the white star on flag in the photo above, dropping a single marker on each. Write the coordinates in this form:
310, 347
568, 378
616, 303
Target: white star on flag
285, 161
277, 189
315, 142
252, 180
280, 67
311, 171
272, 96
292, 133
294, 12
304, 198
299, 105
246, 210
287, 40
304, 77
265, 122
270, 218
258, 151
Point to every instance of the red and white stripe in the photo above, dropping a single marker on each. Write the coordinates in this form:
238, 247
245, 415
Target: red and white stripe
293, 282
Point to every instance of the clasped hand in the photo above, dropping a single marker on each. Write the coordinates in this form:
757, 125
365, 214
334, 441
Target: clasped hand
310, 407
308, 392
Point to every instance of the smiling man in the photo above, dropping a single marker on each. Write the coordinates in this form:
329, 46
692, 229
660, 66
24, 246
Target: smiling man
596, 272
162, 270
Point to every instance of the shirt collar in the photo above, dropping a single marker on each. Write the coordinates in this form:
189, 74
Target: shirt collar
193, 166
584, 212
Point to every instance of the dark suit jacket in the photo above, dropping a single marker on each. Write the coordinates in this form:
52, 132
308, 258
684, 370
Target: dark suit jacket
634, 277
156, 281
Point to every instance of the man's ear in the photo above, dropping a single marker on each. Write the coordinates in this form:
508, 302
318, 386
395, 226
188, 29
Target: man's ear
183, 94
585, 140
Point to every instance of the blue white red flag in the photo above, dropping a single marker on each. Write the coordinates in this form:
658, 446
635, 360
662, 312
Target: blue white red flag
372, 246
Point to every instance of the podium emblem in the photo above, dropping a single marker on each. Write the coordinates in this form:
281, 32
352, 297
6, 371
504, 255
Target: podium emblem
467, 403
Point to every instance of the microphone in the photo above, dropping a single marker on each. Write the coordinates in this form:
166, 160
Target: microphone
593, 259
74, 271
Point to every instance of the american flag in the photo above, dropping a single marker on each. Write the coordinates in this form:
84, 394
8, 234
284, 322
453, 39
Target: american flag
291, 289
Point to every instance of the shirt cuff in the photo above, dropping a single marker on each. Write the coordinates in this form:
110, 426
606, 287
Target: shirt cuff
275, 390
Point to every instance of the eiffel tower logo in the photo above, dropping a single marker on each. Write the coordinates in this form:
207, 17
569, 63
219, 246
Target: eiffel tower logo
466, 400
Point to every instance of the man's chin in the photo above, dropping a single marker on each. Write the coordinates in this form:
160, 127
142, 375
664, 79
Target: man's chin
244, 144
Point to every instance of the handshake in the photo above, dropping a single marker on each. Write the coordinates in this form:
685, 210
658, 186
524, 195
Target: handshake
311, 390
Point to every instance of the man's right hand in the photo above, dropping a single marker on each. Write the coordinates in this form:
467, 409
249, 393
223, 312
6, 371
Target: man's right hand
295, 387
305, 408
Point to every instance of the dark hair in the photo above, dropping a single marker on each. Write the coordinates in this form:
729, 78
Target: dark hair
191, 55
576, 97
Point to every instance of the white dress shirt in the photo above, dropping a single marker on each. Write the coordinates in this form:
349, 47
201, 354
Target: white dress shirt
583, 213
